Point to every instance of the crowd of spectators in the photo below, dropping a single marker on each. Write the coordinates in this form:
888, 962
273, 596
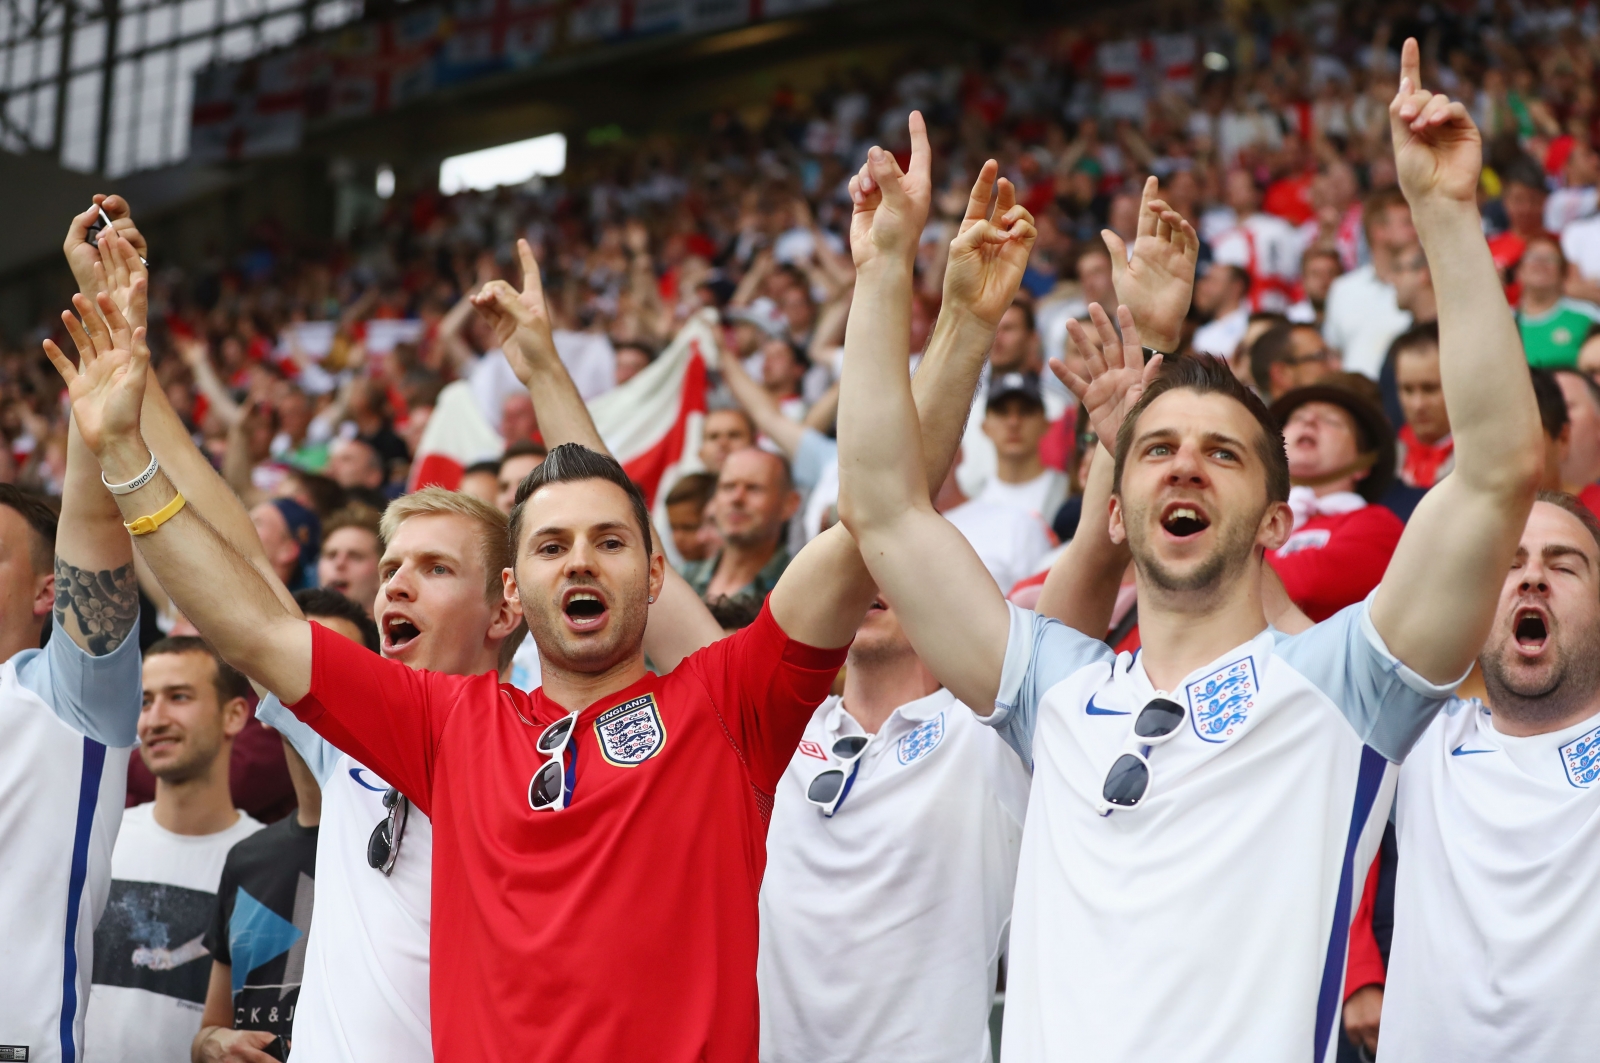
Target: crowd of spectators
308, 371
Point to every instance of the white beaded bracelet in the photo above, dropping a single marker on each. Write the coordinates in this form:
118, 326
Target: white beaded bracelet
137, 482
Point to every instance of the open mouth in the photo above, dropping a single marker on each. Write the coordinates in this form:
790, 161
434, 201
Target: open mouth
1181, 520
584, 609
398, 633
1530, 629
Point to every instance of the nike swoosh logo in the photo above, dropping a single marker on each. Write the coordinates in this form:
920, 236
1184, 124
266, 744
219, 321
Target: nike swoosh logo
1092, 710
1462, 751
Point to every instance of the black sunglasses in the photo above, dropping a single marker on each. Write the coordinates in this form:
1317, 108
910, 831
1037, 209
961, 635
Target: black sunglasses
383, 846
1128, 781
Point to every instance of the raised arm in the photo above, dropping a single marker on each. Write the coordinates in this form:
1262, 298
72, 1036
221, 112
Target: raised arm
958, 622
761, 407
120, 280
679, 621
217, 589
1437, 599
96, 592
1154, 289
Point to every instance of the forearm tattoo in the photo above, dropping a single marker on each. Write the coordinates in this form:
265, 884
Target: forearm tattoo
102, 606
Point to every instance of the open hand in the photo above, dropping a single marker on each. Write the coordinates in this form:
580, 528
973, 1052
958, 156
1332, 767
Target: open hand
1118, 372
1438, 151
988, 257
1157, 283
120, 273
107, 386
891, 206
520, 320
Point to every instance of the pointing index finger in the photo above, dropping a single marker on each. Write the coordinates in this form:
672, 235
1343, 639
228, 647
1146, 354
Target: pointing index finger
921, 152
1411, 64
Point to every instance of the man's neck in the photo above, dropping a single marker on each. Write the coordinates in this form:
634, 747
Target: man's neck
1424, 308
1183, 630
1383, 264
201, 805
1227, 307
1015, 470
1431, 440
575, 691
1348, 484
18, 637
874, 688
1526, 717
738, 566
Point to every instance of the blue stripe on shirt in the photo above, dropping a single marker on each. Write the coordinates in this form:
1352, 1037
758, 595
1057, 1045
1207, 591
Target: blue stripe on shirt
94, 762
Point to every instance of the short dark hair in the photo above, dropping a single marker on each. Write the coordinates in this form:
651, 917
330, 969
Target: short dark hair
1027, 308
329, 604
1552, 402
522, 448
744, 414
641, 346
1207, 375
41, 517
492, 467
1524, 171
1574, 505
571, 463
229, 682
1271, 347
1423, 335
1374, 206
354, 515
697, 487
734, 611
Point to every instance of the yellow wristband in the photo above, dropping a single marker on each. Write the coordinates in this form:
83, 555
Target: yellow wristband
146, 525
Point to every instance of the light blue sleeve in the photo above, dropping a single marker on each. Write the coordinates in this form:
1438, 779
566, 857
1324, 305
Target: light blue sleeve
1387, 703
1040, 652
97, 696
815, 453
318, 753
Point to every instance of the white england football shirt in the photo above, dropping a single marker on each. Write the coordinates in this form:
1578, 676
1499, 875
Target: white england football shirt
69, 720
881, 928
364, 997
1496, 926
1212, 921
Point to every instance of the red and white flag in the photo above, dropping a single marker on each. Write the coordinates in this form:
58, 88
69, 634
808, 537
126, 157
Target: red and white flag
650, 424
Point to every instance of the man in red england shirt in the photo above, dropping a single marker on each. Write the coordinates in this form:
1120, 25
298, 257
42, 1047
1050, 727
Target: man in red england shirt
1341, 460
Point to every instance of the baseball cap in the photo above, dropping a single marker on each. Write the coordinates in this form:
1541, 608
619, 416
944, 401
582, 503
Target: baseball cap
1015, 385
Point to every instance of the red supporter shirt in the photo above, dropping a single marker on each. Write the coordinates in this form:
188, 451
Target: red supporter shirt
1335, 561
1590, 496
624, 926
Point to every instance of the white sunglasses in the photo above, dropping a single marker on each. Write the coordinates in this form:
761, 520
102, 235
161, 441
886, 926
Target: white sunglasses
1128, 781
547, 790
829, 786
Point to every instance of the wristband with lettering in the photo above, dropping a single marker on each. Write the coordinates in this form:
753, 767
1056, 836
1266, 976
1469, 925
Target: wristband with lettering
137, 482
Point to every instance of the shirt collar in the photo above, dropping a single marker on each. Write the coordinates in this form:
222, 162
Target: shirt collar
838, 721
1132, 679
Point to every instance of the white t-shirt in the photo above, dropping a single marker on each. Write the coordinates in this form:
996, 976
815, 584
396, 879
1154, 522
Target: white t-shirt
1212, 921
1580, 243
1044, 492
151, 970
1496, 929
1009, 541
1567, 205
882, 927
978, 460
1361, 319
69, 721
1221, 336
364, 997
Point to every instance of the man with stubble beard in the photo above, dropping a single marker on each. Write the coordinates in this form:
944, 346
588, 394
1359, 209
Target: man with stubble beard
1498, 822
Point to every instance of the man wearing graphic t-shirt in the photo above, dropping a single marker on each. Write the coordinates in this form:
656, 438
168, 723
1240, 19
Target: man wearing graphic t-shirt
1200, 813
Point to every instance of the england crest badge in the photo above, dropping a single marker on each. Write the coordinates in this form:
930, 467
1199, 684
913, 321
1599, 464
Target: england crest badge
1581, 758
1220, 703
920, 740
631, 733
